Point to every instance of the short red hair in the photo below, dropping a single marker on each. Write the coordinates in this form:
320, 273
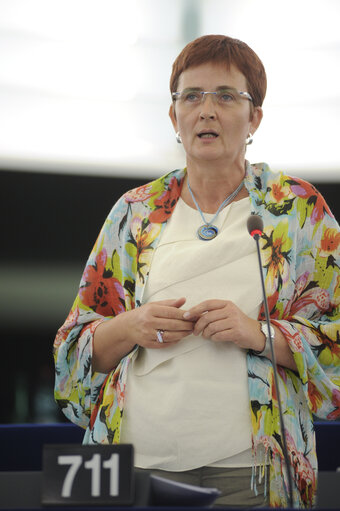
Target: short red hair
220, 48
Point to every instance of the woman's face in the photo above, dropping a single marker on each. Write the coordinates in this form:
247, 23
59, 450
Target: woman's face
229, 123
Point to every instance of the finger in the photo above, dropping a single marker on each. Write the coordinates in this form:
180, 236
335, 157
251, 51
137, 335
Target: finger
207, 319
218, 330
175, 302
174, 325
203, 307
168, 339
166, 312
179, 302
169, 336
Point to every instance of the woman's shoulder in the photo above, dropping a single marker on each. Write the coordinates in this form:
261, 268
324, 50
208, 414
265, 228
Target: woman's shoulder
154, 188
160, 194
280, 194
266, 179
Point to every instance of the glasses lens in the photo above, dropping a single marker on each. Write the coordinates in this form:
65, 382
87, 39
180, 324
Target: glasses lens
191, 96
227, 96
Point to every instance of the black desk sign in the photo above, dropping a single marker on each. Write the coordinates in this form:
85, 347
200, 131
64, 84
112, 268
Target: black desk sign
88, 475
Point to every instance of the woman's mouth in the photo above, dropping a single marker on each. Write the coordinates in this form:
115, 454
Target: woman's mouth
207, 134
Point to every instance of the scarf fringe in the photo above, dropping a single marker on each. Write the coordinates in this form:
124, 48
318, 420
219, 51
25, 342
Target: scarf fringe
260, 469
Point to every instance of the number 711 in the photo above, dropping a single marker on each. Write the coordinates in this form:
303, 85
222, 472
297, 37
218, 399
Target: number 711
94, 464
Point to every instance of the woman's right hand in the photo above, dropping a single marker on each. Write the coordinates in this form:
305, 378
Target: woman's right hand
116, 337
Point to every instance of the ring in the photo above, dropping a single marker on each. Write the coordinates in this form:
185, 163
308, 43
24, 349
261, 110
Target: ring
160, 334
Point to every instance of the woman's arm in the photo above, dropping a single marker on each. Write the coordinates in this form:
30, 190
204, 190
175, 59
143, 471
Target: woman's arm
101, 295
283, 354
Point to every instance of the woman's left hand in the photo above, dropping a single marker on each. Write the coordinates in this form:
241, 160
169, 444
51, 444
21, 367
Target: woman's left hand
223, 321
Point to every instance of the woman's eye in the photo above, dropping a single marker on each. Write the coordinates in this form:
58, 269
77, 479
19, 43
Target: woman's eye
192, 96
226, 97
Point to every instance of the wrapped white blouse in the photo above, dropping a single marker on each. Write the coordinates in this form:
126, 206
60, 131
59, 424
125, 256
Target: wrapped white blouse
205, 382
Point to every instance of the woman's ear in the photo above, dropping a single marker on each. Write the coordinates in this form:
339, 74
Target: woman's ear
256, 119
172, 115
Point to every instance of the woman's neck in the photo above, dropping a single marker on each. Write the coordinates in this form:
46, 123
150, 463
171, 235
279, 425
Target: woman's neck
211, 184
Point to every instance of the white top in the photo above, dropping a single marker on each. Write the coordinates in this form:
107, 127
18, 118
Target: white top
187, 406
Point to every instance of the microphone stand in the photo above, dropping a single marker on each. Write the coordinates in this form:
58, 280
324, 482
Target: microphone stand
256, 234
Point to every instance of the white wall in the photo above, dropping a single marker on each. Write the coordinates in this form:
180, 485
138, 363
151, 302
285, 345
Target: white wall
84, 83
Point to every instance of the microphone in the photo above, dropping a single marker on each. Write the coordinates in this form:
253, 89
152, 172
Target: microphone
255, 229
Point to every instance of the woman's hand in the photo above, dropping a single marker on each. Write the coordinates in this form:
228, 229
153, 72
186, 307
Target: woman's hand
140, 325
116, 337
222, 320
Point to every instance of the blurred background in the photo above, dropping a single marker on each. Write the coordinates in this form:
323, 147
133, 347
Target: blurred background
84, 101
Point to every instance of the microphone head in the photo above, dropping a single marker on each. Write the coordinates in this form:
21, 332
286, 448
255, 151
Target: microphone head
255, 225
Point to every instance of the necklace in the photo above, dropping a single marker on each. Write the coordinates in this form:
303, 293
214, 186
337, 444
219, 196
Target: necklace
208, 231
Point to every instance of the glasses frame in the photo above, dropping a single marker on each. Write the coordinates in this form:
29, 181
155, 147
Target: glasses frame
243, 94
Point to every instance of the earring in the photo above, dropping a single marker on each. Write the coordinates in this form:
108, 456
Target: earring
249, 139
178, 138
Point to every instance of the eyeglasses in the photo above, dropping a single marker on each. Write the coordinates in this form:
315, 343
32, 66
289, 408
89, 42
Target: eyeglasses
229, 96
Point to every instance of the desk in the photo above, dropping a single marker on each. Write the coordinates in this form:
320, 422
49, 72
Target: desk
22, 445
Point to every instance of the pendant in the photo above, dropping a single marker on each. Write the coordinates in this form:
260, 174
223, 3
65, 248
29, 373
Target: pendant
207, 232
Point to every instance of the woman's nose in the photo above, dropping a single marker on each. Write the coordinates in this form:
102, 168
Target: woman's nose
207, 114
207, 107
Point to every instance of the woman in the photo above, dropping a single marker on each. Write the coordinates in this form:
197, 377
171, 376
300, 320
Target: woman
165, 347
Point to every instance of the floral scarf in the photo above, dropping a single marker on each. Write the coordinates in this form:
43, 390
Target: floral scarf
300, 249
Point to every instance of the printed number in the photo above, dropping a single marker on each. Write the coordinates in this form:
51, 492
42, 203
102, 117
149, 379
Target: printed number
75, 461
93, 464
113, 465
